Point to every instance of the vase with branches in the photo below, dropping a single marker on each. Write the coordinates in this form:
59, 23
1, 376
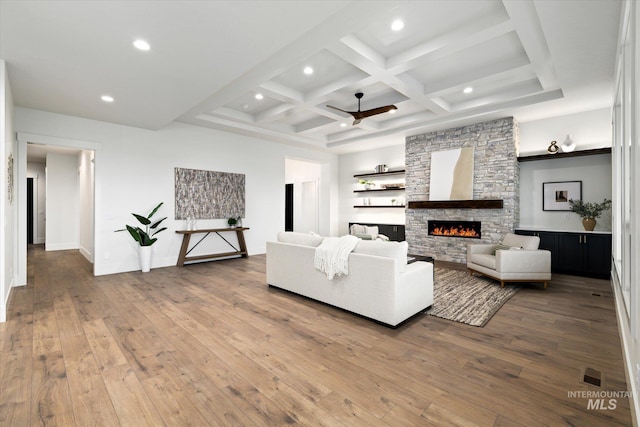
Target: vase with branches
589, 211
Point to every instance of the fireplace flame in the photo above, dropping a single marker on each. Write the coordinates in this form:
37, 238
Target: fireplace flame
454, 231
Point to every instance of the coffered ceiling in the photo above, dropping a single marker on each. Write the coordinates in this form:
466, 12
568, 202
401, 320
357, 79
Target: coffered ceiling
209, 60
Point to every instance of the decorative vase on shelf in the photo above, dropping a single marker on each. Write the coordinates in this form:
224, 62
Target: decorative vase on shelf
589, 223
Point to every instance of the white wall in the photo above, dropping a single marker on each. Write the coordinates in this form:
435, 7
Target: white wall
38, 173
134, 170
85, 203
365, 162
593, 171
8, 211
62, 202
589, 129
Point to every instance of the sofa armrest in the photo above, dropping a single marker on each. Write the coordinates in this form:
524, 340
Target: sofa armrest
509, 261
480, 248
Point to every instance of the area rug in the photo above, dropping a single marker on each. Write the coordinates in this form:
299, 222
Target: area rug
468, 299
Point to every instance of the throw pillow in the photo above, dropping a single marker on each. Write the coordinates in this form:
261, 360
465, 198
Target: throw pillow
500, 247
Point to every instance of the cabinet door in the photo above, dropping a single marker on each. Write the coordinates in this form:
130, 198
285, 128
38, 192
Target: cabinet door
597, 254
570, 253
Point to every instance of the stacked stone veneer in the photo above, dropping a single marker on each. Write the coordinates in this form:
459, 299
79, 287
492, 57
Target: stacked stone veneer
495, 176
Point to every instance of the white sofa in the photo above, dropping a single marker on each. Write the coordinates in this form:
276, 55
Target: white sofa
380, 285
516, 259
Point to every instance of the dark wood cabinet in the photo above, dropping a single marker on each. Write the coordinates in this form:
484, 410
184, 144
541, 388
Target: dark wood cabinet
585, 254
576, 253
548, 241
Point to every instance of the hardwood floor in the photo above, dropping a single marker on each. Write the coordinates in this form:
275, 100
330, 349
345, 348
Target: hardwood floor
211, 344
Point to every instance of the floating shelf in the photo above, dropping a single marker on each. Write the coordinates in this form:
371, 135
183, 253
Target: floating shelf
457, 204
379, 189
395, 172
379, 206
595, 151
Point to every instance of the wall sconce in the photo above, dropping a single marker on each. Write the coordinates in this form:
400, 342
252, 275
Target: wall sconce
568, 145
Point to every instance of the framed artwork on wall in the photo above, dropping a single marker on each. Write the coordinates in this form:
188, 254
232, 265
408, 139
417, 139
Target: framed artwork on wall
556, 195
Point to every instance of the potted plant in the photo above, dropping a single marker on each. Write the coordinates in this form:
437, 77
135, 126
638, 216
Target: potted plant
589, 211
235, 222
367, 183
144, 237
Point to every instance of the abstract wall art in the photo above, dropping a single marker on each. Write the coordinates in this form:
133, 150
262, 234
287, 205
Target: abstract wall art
452, 174
202, 194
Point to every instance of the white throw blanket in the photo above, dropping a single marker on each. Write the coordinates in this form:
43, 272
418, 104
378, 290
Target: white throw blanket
332, 256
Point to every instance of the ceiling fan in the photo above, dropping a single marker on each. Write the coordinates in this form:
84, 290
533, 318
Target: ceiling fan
359, 115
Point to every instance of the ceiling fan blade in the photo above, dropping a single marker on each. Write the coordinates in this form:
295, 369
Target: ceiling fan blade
339, 109
379, 110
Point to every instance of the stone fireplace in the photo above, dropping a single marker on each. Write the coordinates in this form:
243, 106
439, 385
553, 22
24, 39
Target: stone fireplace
496, 176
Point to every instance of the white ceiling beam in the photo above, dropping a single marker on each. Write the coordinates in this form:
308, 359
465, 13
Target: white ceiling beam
466, 36
230, 113
498, 70
525, 19
273, 113
282, 92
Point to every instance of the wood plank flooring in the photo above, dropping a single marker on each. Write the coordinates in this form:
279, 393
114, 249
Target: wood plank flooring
211, 344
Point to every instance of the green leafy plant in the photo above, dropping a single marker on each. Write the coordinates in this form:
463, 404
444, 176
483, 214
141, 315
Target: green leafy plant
145, 236
233, 221
365, 182
590, 209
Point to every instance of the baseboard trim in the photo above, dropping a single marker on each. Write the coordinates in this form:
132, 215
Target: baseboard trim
60, 246
627, 342
85, 253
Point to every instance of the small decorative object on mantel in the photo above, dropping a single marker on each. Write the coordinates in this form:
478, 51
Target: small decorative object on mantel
553, 148
589, 211
145, 237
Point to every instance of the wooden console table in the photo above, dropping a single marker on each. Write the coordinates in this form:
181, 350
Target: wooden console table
184, 249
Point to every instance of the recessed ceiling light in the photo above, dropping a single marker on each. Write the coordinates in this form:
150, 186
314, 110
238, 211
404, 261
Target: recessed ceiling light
141, 45
468, 89
343, 125
107, 98
397, 25
308, 70
259, 96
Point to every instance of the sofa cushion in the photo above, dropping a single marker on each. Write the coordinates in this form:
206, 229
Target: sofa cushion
528, 243
395, 250
484, 260
297, 238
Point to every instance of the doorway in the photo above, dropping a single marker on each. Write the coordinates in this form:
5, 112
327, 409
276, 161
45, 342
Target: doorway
30, 211
302, 195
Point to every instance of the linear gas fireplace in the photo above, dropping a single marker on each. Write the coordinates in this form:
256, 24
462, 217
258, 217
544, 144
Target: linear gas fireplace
468, 229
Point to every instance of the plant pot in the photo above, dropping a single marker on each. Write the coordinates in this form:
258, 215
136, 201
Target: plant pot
145, 258
589, 223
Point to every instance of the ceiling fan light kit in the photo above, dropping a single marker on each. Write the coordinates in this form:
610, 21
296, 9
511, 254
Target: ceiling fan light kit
359, 115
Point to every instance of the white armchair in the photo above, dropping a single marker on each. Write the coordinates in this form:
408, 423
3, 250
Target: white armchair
516, 259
